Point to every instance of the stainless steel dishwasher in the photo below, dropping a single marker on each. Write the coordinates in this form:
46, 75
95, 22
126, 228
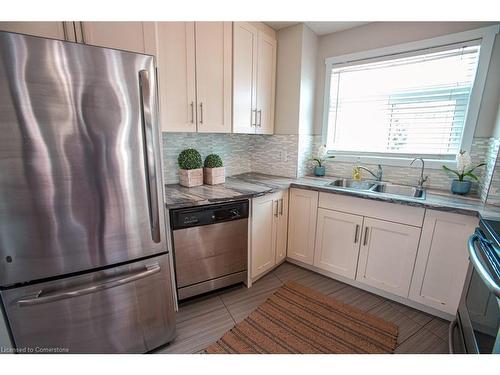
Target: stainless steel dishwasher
210, 247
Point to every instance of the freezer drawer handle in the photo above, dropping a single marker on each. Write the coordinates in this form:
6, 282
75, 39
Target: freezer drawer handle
39, 299
149, 154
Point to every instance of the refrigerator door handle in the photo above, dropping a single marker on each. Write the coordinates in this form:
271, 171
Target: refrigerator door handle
39, 299
149, 154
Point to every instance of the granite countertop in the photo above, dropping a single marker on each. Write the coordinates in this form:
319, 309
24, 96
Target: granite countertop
249, 185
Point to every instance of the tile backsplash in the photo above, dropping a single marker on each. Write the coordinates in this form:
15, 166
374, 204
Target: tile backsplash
234, 149
481, 151
241, 153
289, 156
274, 154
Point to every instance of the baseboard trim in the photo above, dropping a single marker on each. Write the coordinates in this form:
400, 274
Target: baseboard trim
359, 285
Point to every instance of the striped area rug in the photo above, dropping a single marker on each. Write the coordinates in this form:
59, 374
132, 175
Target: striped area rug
296, 319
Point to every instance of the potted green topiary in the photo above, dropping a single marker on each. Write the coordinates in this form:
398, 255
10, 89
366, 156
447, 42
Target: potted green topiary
190, 172
214, 171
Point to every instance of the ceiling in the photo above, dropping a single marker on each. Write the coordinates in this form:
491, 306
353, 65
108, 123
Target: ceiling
319, 27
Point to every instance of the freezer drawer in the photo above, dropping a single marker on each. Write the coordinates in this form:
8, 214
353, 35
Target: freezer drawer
126, 309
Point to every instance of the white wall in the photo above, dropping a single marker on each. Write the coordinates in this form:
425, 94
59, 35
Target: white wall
383, 34
288, 70
307, 81
487, 119
295, 80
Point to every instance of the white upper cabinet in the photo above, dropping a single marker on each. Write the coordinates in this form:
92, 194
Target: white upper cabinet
442, 260
127, 36
175, 51
302, 224
387, 255
337, 242
195, 76
54, 30
266, 84
244, 77
254, 79
213, 76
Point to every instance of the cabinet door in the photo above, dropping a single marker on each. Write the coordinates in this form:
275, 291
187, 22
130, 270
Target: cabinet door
264, 212
213, 76
266, 83
127, 36
244, 77
302, 224
176, 76
337, 242
54, 30
442, 260
387, 255
282, 226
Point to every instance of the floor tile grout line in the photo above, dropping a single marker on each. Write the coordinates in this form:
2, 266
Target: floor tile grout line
430, 331
227, 309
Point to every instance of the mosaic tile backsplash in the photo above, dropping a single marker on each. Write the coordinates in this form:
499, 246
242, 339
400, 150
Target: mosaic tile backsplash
234, 149
289, 156
241, 153
481, 151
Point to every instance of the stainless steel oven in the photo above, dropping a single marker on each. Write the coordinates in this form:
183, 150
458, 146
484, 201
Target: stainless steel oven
476, 328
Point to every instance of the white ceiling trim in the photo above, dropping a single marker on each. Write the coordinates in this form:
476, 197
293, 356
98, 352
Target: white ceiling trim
319, 27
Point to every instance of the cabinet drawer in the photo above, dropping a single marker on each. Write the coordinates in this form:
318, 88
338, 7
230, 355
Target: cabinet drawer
380, 210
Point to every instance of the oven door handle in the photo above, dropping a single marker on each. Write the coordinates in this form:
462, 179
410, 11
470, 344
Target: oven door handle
480, 268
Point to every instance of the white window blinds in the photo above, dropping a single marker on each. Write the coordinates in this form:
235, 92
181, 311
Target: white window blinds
404, 104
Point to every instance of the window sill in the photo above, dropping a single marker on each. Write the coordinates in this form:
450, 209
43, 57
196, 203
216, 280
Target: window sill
391, 161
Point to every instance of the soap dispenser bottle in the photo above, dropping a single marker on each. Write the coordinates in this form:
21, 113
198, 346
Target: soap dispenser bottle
356, 173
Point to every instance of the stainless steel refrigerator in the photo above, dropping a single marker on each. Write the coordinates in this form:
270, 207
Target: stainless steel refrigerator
84, 264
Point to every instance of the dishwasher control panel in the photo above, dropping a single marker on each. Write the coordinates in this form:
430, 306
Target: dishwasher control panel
209, 214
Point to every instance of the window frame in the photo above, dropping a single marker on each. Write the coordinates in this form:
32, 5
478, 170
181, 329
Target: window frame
486, 37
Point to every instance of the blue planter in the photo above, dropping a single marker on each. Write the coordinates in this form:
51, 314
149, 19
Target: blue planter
319, 171
460, 187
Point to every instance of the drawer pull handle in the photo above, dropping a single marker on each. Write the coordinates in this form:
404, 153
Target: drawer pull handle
366, 236
356, 234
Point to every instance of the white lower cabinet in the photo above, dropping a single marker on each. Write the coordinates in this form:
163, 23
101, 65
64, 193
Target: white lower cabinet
268, 238
282, 227
302, 225
387, 255
337, 242
442, 260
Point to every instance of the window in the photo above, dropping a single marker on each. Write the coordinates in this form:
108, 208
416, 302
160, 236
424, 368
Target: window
404, 101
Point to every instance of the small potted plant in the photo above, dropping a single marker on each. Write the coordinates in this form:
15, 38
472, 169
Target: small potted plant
320, 158
214, 171
190, 172
464, 169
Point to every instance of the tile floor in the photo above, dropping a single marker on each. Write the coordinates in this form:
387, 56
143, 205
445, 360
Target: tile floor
204, 320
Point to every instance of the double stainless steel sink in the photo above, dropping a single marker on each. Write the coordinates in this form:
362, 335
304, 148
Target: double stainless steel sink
379, 187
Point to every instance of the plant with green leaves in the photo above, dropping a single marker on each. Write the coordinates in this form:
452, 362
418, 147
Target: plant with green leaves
464, 167
321, 156
189, 159
213, 161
